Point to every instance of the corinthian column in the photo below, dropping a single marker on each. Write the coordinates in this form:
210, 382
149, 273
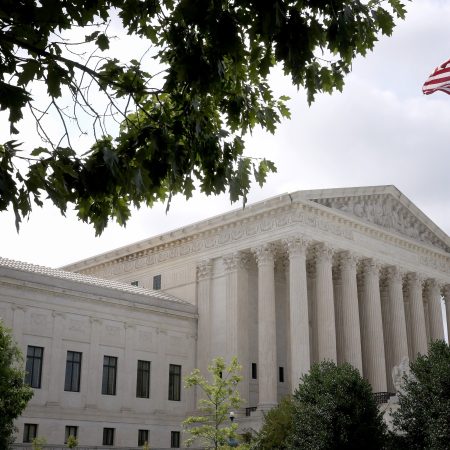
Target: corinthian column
396, 317
326, 336
446, 294
372, 342
237, 313
204, 270
298, 310
351, 334
433, 292
414, 284
267, 347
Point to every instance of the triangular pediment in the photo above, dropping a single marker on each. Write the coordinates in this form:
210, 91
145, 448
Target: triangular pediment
386, 207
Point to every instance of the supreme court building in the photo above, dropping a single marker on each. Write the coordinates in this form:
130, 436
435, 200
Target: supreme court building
356, 275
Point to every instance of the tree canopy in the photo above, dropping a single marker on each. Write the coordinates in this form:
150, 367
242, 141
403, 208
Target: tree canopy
423, 420
14, 394
334, 409
182, 119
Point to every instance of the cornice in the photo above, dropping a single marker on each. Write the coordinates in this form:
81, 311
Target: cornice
261, 218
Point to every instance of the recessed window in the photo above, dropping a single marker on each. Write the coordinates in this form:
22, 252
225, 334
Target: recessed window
73, 372
29, 432
254, 371
174, 382
109, 375
157, 282
143, 379
281, 374
142, 437
70, 431
174, 439
33, 368
108, 436
135, 283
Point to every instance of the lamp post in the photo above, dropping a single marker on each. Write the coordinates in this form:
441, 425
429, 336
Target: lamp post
232, 442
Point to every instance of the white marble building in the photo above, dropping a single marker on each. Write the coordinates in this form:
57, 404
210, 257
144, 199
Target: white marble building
99, 355
355, 274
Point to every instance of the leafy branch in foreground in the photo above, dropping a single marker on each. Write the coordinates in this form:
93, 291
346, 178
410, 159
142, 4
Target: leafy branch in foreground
217, 399
183, 121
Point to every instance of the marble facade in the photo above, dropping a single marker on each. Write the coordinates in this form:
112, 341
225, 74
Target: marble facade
356, 275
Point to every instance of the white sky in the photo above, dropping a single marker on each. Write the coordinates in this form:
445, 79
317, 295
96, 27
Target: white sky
380, 130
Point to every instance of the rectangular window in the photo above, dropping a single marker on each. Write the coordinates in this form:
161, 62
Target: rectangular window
29, 432
142, 437
135, 283
143, 379
174, 382
254, 371
108, 436
70, 431
174, 439
73, 372
281, 374
109, 377
157, 282
33, 368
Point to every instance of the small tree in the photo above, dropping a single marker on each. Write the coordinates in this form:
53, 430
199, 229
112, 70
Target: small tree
334, 408
14, 394
423, 419
72, 441
276, 428
220, 396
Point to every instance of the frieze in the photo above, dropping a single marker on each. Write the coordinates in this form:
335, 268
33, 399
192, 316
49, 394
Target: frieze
223, 236
435, 263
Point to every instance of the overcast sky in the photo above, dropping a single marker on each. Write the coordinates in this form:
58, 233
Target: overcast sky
380, 130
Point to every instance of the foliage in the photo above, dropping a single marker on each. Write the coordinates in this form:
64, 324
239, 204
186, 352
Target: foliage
423, 420
72, 441
217, 399
185, 106
334, 408
14, 394
38, 443
276, 428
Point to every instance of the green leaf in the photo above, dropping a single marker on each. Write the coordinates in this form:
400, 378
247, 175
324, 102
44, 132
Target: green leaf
102, 41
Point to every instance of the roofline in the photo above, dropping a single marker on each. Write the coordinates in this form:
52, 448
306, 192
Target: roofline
249, 210
71, 286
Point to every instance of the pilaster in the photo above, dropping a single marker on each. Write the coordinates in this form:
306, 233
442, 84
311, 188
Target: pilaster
204, 272
57, 360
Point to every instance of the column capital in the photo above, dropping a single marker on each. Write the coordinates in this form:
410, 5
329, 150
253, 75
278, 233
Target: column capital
235, 261
323, 253
296, 245
370, 267
393, 274
414, 278
204, 269
446, 294
265, 253
347, 260
432, 283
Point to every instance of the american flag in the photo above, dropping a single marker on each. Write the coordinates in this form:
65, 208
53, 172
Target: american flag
439, 80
